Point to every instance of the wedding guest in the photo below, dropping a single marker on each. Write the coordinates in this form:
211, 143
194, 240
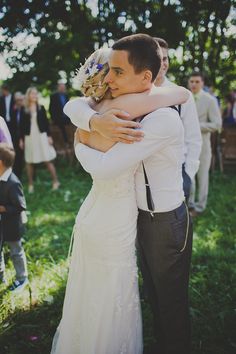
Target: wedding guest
6, 105
210, 89
229, 114
36, 139
57, 103
5, 136
15, 133
189, 117
210, 121
12, 207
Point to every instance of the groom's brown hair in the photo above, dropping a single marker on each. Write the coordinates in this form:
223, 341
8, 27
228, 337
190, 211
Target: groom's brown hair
143, 52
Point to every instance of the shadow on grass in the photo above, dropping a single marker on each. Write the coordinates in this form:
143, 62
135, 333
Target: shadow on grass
31, 331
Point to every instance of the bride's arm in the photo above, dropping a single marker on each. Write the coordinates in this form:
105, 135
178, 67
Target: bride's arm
139, 104
80, 110
109, 125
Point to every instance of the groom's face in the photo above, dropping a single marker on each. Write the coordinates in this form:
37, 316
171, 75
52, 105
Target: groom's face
122, 78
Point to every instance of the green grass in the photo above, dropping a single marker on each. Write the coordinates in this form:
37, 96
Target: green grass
29, 319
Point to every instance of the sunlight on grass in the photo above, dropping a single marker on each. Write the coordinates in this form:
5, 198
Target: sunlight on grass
52, 219
42, 288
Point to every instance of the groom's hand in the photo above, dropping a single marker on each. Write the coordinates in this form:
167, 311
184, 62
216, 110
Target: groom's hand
111, 125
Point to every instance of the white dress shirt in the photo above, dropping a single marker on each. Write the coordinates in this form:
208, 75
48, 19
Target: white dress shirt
161, 150
4, 177
192, 134
208, 113
8, 103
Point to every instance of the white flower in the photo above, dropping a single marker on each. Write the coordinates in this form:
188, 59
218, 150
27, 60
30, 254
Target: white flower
93, 70
85, 72
81, 76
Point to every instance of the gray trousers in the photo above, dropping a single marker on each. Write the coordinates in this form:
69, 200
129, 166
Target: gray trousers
199, 201
165, 247
18, 258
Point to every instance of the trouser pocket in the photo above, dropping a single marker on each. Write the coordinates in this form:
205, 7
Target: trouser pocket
180, 231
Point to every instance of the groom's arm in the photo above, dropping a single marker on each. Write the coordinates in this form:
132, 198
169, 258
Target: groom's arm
158, 134
107, 124
192, 136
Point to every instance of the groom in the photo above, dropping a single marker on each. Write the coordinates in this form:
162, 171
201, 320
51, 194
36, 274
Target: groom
164, 228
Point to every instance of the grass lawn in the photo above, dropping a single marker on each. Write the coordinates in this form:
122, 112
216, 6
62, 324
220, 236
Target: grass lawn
29, 319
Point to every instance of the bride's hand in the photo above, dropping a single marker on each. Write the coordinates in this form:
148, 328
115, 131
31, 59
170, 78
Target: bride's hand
81, 136
76, 137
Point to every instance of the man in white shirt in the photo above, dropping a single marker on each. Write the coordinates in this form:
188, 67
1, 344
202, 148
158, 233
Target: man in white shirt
209, 117
164, 228
189, 117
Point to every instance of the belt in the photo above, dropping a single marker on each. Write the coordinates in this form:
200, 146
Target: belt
177, 213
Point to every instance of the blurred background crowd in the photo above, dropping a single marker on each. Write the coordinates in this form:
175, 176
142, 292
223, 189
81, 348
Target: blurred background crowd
40, 130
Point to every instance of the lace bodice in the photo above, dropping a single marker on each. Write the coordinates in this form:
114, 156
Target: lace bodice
120, 186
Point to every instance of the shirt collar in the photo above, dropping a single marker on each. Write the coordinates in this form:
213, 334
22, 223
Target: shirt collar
166, 82
198, 95
4, 177
8, 97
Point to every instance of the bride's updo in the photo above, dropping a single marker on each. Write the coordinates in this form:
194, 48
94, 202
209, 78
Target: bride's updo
90, 76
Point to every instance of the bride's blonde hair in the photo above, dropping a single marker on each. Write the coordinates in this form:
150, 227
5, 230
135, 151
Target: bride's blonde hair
27, 97
90, 76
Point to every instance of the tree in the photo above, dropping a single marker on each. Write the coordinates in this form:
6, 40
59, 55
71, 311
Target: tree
68, 31
63, 40
207, 46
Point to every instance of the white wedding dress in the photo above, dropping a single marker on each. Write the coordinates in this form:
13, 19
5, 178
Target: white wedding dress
101, 313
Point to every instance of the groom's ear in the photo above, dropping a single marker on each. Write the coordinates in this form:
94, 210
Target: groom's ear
147, 77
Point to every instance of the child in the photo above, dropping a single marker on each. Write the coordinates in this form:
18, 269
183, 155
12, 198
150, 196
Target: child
12, 205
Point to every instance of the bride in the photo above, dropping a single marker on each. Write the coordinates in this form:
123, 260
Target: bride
101, 312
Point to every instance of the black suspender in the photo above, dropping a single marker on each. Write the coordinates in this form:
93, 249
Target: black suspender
150, 202
178, 109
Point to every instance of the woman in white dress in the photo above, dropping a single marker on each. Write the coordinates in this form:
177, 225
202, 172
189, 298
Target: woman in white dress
101, 312
36, 139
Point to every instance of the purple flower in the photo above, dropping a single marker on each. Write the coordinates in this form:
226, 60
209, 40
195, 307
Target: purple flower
99, 67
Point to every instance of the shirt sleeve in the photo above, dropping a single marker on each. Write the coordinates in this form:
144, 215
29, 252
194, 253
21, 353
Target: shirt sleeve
214, 118
79, 112
17, 200
159, 133
192, 136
